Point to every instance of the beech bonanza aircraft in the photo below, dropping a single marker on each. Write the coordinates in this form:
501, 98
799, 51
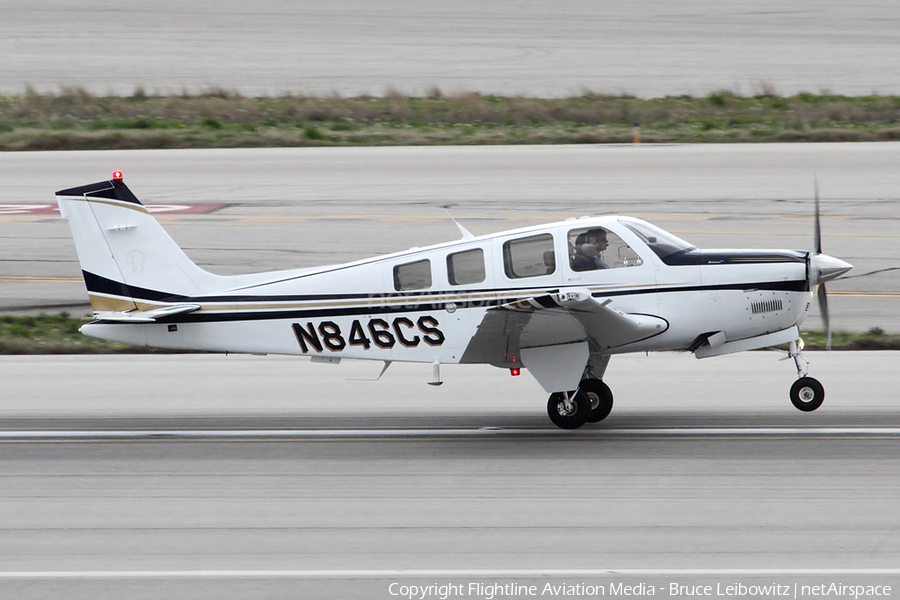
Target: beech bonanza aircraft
558, 299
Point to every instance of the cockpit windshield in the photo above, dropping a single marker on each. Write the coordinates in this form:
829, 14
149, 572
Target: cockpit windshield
663, 243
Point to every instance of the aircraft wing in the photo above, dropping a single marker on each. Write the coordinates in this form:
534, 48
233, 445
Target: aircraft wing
605, 326
147, 316
554, 335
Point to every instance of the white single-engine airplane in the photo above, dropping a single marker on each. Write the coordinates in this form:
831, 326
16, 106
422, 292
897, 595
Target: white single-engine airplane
556, 299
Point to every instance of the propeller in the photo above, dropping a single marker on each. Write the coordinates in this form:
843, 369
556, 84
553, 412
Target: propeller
823, 268
817, 232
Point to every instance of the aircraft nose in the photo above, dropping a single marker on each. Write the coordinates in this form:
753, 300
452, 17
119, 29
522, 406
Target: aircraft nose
824, 268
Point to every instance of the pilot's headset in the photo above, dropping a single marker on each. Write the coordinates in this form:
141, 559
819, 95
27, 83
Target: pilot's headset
581, 244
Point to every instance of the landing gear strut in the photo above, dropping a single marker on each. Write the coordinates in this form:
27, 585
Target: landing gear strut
807, 394
592, 402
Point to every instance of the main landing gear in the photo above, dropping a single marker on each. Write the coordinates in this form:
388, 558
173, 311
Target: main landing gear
590, 403
807, 394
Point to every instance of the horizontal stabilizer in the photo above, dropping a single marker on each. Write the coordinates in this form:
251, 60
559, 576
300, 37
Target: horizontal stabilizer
148, 316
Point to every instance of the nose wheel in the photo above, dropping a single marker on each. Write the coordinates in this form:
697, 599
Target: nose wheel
807, 394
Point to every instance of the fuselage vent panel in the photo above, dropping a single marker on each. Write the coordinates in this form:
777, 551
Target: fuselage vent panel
766, 306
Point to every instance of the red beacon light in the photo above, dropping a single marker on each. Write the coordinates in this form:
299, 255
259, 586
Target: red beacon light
117, 175
515, 370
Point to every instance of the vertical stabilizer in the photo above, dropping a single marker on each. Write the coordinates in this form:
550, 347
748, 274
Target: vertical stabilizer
127, 258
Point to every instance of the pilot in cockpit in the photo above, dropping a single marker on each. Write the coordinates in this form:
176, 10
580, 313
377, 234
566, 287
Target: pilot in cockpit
588, 247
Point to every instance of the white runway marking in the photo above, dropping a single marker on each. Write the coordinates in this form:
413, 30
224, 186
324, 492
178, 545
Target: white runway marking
438, 573
324, 434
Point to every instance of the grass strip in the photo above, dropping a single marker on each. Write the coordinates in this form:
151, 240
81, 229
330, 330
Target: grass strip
74, 119
58, 334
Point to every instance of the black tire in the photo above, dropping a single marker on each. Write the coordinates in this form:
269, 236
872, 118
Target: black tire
807, 394
600, 397
573, 419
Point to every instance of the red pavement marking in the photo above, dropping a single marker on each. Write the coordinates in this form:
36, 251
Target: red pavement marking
52, 209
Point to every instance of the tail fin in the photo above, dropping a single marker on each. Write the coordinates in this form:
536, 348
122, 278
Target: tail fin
128, 260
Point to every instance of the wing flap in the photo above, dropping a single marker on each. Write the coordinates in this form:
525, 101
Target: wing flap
606, 326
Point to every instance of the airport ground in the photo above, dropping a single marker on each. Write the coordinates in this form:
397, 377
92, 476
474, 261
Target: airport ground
274, 477
651, 48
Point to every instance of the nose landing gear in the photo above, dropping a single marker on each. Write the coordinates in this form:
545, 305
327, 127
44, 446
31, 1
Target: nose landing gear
807, 394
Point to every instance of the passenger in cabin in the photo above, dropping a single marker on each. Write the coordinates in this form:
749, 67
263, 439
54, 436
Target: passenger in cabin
588, 247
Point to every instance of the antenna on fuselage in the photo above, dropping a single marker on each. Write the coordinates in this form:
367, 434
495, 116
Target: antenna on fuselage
466, 234
387, 364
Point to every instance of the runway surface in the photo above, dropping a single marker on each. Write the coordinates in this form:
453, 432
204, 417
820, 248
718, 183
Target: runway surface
234, 476
648, 48
284, 208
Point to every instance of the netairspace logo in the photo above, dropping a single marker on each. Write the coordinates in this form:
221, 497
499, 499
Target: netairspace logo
841, 590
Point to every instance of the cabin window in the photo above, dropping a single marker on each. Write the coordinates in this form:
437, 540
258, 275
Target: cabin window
529, 257
413, 276
595, 248
466, 267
